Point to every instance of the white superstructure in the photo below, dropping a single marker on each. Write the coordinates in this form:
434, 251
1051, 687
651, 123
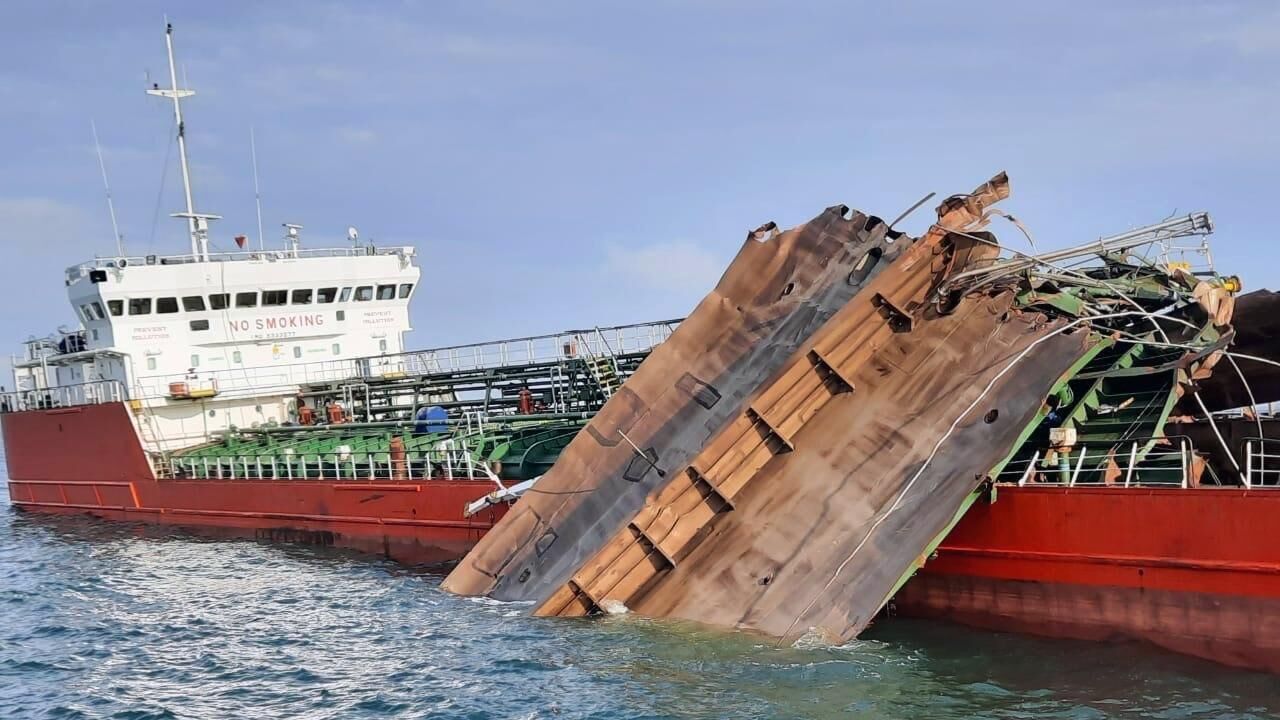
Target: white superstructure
202, 341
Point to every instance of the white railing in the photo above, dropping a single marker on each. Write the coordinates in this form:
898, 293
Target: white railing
1262, 462
448, 461
623, 339
60, 396
252, 381
113, 261
1167, 463
574, 344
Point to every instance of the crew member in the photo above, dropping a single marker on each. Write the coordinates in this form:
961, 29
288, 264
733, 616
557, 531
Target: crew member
306, 416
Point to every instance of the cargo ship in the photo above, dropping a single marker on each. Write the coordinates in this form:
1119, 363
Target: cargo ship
1019, 442
269, 393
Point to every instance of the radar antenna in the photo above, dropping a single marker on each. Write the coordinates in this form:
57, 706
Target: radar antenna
111, 207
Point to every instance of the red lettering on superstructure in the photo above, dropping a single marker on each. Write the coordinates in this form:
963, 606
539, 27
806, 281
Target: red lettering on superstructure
277, 322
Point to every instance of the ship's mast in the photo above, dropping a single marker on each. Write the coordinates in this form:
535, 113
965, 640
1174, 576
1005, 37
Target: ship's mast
197, 223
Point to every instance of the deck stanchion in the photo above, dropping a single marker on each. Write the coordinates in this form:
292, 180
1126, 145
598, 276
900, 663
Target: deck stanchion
1248, 464
1133, 457
1079, 464
1031, 468
1262, 464
1182, 457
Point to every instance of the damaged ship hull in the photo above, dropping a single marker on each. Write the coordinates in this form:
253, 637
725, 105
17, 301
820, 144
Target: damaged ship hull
791, 483
803, 508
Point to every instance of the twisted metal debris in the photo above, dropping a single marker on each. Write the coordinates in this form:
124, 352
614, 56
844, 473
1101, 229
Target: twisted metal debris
789, 457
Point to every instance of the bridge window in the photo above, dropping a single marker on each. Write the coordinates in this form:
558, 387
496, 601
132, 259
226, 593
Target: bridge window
139, 306
346, 295
193, 303
302, 297
337, 349
151, 361
297, 351
195, 361
405, 289
97, 310
247, 299
382, 345
236, 357
364, 293
167, 305
84, 312
116, 307
386, 292
275, 297
327, 295
198, 325
219, 301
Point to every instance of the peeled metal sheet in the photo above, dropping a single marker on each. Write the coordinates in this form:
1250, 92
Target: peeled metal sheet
818, 538
780, 288
822, 462
1256, 320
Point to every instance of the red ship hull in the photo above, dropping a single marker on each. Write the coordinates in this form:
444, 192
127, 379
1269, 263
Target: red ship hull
88, 459
1196, 571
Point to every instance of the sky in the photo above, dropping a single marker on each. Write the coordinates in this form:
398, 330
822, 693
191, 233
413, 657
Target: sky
562, 165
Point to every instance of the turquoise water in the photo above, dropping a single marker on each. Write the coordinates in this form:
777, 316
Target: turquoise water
108, 620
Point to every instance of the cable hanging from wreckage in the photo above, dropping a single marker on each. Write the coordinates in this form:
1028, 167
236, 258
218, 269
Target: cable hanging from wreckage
1090, 282
1059, 282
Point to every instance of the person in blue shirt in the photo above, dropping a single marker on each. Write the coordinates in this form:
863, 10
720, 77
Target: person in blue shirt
431, 419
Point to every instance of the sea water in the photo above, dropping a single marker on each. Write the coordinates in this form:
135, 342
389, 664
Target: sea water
116, 620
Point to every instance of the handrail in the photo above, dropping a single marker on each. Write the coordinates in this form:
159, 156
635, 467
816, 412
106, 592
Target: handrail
94, 392
1256, 458
449, 462
1135, 465
115, 261
539, 349
554, 348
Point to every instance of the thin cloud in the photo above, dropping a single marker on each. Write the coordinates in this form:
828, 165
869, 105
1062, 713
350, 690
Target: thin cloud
1253, 36
664, 266
32, 225
357, 136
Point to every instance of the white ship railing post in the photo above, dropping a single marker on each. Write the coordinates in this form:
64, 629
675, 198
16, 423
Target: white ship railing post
1079, 464
1248, 464
1182, 456
1031, 467
1133, 457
